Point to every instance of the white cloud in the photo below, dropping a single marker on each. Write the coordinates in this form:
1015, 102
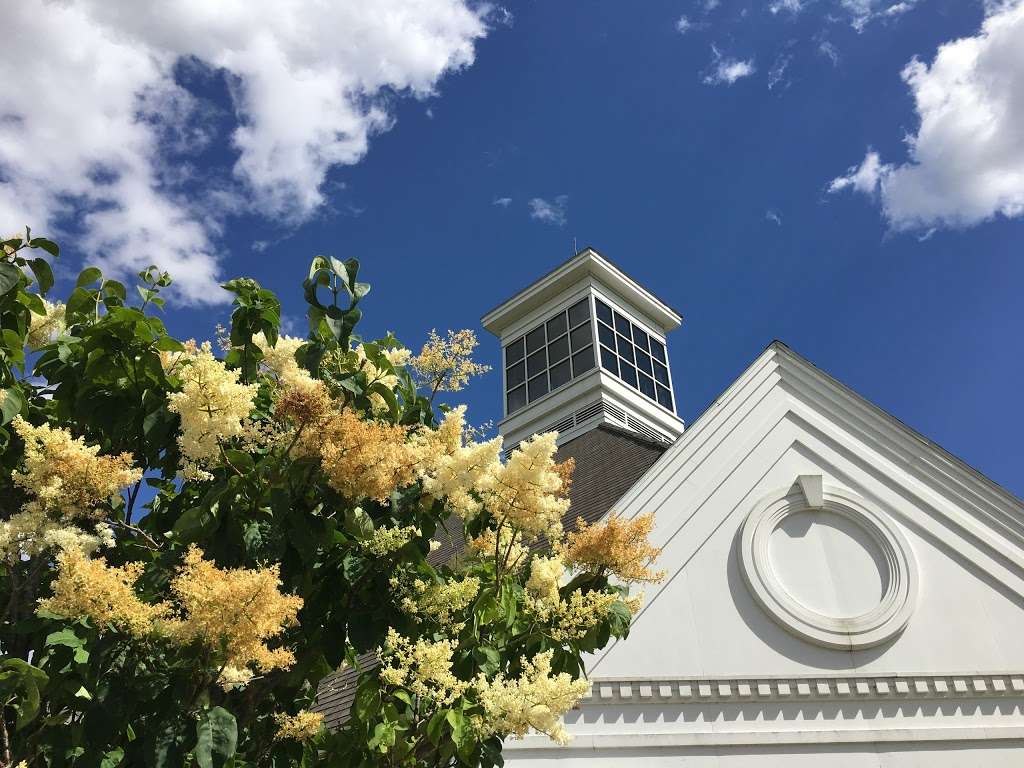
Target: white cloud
95, 128
829, 51
773, 217
778, 72
862, 12
725, 70
683, 25
550, 211
966, 161
792, 6
504, 202
710, 5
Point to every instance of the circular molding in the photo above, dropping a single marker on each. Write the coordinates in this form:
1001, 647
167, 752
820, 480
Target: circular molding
871, 628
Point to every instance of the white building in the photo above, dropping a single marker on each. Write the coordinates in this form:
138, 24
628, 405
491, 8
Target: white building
841, 591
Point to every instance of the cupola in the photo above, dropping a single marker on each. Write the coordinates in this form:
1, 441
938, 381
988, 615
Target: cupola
582, 346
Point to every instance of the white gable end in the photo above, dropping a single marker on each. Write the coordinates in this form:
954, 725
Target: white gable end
833, 579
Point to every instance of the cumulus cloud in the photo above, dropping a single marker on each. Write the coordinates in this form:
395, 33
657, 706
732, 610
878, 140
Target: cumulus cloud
829, 51
792, 6
725, 70
550, 211
503, 202
777, 74
773, 217
98, 130
966, 161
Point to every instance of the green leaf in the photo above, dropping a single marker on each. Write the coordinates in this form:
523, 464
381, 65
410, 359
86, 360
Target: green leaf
68, 639
216, 738
12, 402
44, 275
47, 245
358, 523
112, 758
88, 276
10, 276
435, 726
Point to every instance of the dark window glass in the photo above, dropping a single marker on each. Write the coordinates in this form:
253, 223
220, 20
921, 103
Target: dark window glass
582, 361
628, 374
622, 325
538, 386
580, 337
557, 326
578, 312
661, 373
558, 349
604, 312
658, 350
625, 349
560, 374
515, 375
609, 361
536, 363
606, 334
516, 399
647, 386
535, 340
514, 352
640, 338
665, 397
643, 362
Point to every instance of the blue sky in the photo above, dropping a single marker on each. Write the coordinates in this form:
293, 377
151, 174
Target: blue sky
750, 164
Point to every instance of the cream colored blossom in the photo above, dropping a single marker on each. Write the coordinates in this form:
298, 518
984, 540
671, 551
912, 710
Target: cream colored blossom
571, 619
30, 532
45, 328
363, 458
280, 358
635, 603
508, 550
441, 602
545, 578
422, 667
213, 407
234, 678
301, 726
387, 540
454, 469
233, 611
537, 700
104, 594
67, 477
617, 546
526, 491
446, 364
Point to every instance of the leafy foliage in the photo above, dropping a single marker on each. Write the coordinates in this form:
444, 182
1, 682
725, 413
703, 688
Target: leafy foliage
278, 518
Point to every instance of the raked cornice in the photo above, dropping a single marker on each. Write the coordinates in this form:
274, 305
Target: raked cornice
834, 688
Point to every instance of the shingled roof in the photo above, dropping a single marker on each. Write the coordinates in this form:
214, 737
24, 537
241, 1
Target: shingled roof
609, 461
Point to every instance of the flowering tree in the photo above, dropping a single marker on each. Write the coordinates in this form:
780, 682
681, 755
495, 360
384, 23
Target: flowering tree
294, 490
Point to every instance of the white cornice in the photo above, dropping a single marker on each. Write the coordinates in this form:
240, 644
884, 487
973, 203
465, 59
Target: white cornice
587, 262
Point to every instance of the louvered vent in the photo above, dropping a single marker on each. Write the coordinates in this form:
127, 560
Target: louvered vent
585, 414
646, 431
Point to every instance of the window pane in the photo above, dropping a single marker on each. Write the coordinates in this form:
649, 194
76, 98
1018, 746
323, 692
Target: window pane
647, 386
515, 375
640, 338
514, 352
658, 350
606, 334
665, 397
661, 373
643, 362
558, 349
535, 340
622, 325
604, 312
580, 337
538, 386
583, 361
557, 326
625, 349
628, 374
578, 313
516, 399
560, 374
536, 363
609, 361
